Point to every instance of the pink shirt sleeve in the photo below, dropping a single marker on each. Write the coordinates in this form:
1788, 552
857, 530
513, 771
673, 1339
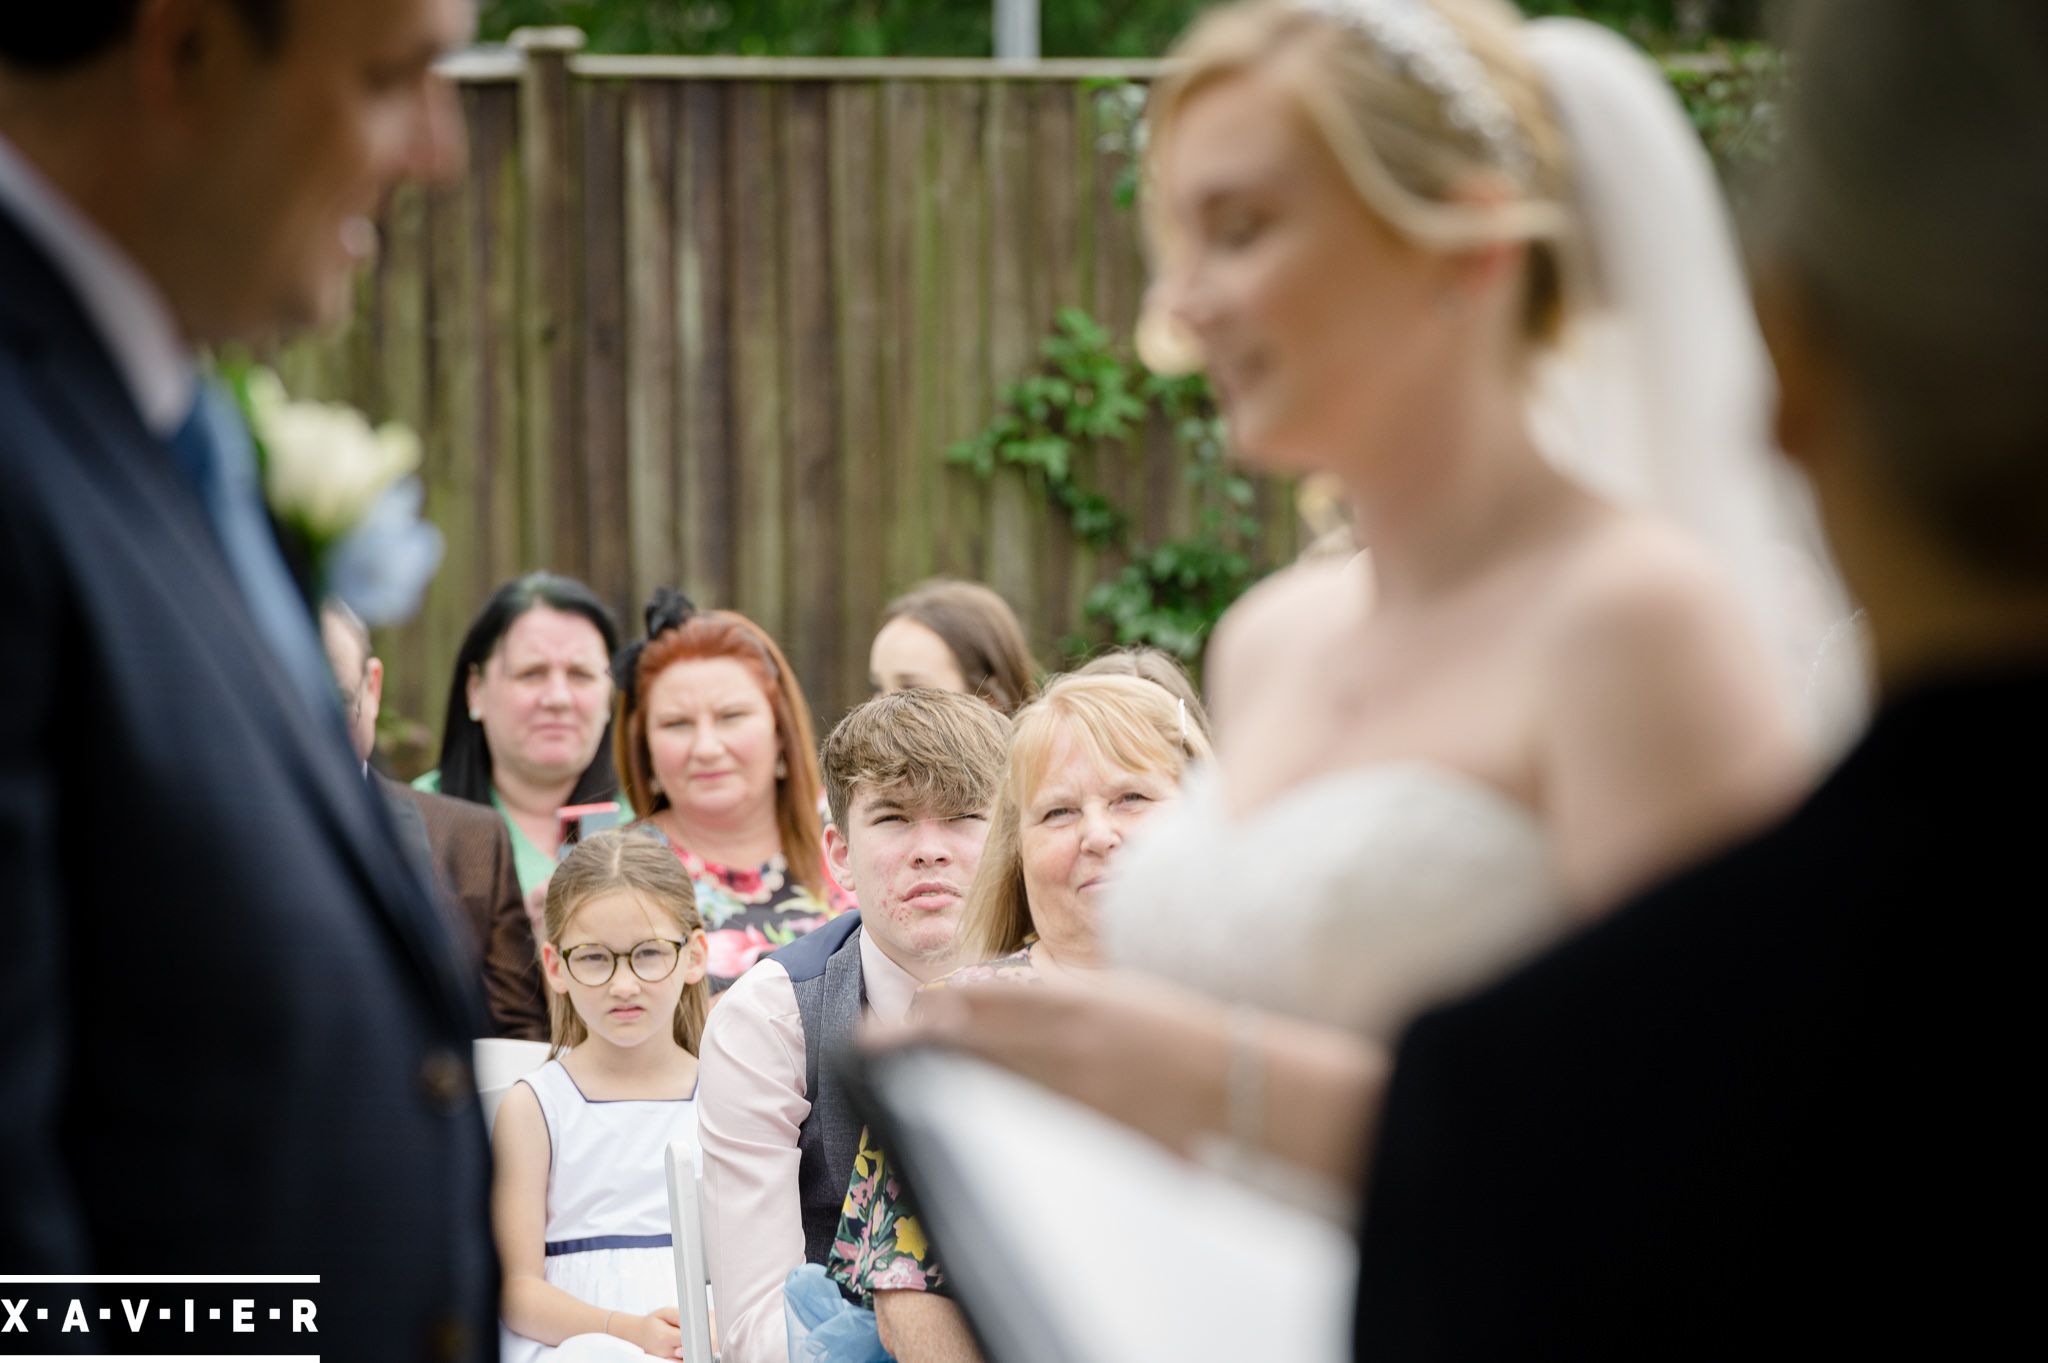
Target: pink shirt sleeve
750, 1102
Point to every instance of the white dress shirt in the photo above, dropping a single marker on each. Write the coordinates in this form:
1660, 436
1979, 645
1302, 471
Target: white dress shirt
750, 1101
124, 305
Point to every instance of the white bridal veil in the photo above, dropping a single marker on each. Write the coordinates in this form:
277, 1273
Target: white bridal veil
1661, 394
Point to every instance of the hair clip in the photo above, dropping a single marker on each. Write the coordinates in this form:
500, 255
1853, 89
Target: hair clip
667, 609
1182, 703
1420, 43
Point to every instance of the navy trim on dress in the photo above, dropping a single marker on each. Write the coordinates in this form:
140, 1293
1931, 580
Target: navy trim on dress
689, 1097
584, 1246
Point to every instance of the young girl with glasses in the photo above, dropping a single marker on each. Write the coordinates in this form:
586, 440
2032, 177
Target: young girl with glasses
579, 1202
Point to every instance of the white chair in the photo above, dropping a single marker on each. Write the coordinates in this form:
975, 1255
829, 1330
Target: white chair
500, 1062
693, 1271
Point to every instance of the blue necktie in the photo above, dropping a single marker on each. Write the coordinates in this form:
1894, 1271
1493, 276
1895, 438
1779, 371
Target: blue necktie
213, 451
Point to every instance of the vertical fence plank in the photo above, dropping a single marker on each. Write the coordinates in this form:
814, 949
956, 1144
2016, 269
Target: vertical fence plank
866, 358
962, 178
401, 324
707, 511
402, 316
601, 390
809, 391
496, 234
449, 452
651, 361
548, 287
1114, 469
758, 274
1016, 506
1061, 163
912, 206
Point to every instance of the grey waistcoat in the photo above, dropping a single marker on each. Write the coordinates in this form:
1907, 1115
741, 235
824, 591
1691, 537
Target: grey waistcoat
824, 970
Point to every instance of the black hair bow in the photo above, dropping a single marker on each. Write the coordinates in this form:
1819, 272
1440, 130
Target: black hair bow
667, 609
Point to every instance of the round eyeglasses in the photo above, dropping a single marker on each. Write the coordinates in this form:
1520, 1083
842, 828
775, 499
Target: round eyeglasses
653, 960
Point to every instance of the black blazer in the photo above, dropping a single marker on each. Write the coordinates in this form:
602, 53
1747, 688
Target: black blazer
233, 1038
1764, 1111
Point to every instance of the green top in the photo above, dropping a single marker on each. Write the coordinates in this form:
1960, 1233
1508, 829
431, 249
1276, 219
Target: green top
533, 865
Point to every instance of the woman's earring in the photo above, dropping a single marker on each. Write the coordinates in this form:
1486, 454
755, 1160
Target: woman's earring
781, 768
475, 714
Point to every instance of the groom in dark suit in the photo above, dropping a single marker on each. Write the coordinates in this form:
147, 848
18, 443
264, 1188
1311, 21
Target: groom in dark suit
1774, 1109
233, 1039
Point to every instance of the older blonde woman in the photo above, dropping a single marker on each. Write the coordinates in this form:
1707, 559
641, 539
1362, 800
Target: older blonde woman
1091, 760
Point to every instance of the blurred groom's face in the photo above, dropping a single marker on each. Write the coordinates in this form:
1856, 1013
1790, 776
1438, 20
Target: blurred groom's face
294, 150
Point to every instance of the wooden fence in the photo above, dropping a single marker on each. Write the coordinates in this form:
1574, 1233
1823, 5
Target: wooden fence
712, 323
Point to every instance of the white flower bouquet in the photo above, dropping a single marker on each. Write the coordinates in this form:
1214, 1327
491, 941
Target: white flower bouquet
347, 492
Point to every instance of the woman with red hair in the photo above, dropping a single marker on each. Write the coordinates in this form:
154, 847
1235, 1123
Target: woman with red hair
713, 741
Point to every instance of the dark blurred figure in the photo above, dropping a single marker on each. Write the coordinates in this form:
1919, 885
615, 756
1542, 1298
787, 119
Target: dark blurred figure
1769, 1109
462, 846
236, 1030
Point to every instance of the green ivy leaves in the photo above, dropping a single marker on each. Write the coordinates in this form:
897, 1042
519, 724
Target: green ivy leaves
1089, 391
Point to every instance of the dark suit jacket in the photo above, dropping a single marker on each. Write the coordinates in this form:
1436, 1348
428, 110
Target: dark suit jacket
1748, 1115
470, 856
235, 1031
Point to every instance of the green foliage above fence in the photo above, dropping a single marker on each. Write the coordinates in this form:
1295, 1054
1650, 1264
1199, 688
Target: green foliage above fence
1732, 96
963, 28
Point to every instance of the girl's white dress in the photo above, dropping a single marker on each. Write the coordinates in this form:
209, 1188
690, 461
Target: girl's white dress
608, 1239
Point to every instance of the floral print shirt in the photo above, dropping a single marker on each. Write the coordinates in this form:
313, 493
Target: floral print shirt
749, 911
880, 1246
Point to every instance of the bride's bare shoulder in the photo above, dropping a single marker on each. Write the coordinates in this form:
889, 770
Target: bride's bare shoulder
1640, 591
1635, 562
1275, 623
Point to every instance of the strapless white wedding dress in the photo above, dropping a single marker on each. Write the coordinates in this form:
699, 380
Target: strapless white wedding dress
1356, 899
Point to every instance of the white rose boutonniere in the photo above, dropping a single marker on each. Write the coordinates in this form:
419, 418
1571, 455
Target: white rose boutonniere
348, 493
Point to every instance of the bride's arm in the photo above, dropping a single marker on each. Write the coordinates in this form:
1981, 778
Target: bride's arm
1663, 734
1170, 1072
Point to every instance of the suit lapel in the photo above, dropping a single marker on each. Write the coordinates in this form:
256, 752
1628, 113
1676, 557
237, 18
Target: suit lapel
90, 402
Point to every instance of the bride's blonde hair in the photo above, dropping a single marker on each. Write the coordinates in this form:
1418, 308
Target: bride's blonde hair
1405, 152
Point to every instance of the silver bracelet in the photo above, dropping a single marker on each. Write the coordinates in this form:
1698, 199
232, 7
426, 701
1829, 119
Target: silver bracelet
1246, 1085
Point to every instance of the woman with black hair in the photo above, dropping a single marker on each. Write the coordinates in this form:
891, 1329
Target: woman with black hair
529, 706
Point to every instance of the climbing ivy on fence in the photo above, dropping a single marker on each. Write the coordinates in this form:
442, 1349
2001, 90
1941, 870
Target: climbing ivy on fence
1091, 392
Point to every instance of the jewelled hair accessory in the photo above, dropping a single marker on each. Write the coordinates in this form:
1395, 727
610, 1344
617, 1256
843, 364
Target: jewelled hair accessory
1420, 43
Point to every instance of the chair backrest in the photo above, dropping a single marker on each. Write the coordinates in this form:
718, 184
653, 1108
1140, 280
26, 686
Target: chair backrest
693, 1270
500, 1062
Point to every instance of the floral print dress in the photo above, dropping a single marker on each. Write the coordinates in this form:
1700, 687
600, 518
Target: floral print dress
880, 1245
749, 911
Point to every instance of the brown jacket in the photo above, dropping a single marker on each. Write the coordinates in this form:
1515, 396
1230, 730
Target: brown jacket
473, 870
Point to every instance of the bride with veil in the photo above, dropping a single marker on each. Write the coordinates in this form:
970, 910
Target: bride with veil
1477, 270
